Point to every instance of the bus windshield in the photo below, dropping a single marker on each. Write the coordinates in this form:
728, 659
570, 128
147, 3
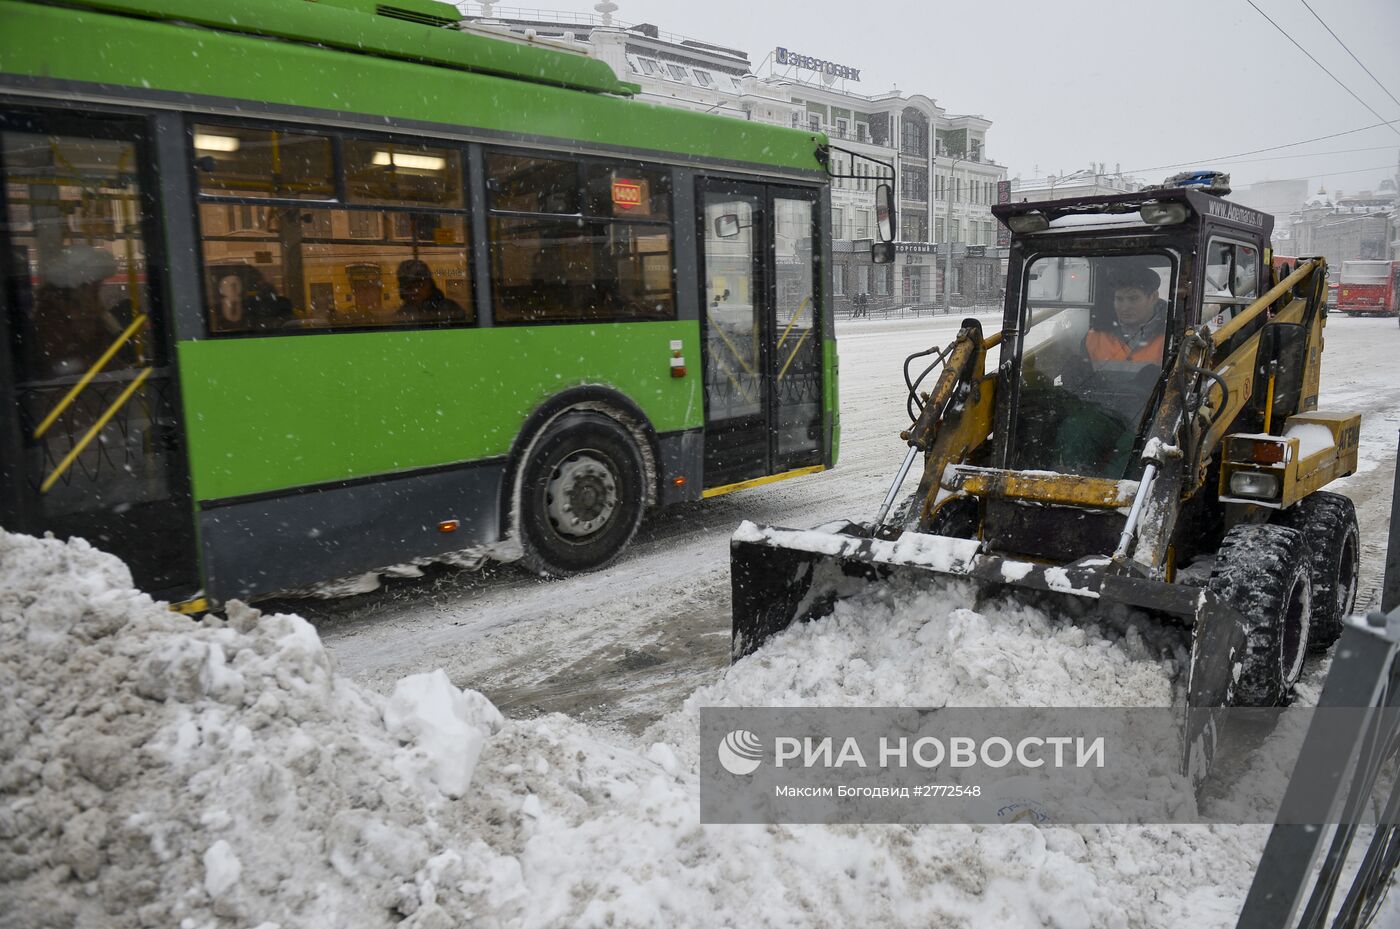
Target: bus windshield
1365, 272
1094, 331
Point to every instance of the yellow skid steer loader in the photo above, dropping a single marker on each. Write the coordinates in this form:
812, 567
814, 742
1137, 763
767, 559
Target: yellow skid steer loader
1143, 431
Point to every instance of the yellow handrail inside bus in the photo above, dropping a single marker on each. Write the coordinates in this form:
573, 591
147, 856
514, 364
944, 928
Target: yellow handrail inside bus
792, 321
86, 379
795, 349
733, 349
91, 434
738, 385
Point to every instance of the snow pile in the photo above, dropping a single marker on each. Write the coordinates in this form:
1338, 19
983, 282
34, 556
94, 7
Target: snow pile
158, 772
155, 770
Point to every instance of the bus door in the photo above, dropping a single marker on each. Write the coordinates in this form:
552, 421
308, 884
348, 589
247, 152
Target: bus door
90, 442
762, 345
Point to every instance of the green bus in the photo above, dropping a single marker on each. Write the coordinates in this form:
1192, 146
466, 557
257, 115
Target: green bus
293, 290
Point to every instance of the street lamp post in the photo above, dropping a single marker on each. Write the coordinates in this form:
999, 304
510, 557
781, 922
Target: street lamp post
948, 230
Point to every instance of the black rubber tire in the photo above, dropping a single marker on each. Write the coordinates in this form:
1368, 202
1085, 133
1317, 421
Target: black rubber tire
604, 444
959, 518
1328, 522
1262, 571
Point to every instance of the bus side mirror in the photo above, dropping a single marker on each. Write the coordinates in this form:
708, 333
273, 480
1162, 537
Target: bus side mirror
727, 226
882, 253
884, 213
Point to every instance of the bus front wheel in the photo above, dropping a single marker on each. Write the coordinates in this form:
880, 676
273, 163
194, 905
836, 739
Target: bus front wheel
581, 495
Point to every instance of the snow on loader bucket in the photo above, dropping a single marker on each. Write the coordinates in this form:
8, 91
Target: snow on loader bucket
1120, 449
784, 576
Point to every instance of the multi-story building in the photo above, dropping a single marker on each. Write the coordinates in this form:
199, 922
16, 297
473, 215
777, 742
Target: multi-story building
1094, 181
1343, 227
947, 181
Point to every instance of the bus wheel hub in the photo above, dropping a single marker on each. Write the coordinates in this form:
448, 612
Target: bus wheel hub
582, 495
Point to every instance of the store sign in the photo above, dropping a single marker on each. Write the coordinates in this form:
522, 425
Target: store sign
807, 63
1003, 196
914, 248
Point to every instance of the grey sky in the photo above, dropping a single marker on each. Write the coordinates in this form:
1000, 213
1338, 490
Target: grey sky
1116, 81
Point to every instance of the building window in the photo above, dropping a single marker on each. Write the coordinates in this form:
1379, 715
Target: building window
838, 223
363, 225
842, 127
649, 66
703, 78
814, 122
915, 183
862, 224
677, 72
913, 136
838, 280
882, 279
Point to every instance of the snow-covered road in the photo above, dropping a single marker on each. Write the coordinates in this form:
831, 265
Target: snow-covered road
163, 772
626, 645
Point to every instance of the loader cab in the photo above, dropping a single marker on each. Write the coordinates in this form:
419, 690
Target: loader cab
1100, 291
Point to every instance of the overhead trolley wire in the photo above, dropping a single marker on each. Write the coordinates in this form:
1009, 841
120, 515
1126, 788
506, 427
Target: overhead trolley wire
1256, 151
1350, 52
1334, 77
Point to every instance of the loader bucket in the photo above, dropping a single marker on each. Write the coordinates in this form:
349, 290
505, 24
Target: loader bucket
784, 576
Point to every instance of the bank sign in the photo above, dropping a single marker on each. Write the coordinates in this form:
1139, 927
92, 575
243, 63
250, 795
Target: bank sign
807, 63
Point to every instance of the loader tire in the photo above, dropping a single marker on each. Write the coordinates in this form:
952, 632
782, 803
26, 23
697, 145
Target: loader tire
1328, 522
1262, 571
958, 518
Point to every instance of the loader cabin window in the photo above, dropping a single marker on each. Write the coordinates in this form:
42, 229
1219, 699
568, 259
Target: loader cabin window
1095, 330
1232, 280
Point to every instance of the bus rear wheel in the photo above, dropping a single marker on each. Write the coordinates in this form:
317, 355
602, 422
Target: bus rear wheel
581, 495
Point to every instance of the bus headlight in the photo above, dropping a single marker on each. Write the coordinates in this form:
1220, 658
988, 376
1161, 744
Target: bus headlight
1254, 484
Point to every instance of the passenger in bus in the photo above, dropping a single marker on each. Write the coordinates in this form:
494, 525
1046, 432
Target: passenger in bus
248, 301
422, 301
72, 327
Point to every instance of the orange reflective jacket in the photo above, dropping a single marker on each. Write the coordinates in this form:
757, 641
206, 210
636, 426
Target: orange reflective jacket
1106, 346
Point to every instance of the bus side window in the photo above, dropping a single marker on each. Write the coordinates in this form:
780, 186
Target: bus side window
394, 254
238, 161
579, 240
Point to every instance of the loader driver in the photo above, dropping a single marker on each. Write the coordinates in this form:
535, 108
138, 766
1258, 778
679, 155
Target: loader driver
1138, 330
1096, 437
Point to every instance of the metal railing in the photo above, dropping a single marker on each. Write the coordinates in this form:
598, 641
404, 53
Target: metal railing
1299, 878
898, 307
